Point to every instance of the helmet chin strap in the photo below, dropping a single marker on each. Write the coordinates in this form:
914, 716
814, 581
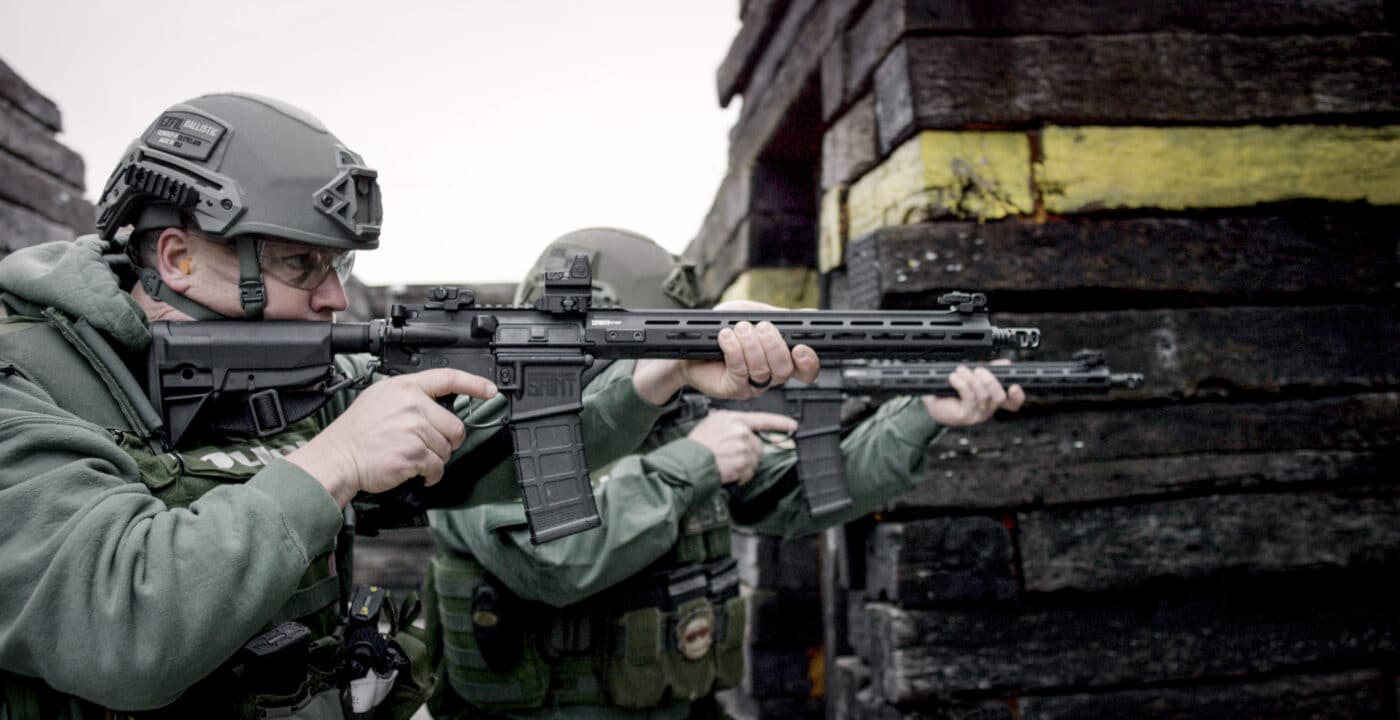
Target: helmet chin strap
251, 293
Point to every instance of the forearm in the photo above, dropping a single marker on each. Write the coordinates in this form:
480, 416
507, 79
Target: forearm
641, 503
885, 457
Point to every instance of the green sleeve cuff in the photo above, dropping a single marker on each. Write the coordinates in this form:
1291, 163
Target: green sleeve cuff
913, 425
312, 517
626, 411
689, 462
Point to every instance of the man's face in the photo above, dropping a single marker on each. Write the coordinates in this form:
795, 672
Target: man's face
303, 282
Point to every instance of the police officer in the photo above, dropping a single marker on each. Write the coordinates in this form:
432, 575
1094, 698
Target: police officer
642, 617
161, 581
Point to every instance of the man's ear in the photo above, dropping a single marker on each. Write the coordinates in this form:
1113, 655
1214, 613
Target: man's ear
175, 258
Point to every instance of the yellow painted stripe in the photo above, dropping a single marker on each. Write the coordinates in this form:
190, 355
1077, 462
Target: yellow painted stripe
831, 234
1091, 168
790, 287
988, 175
977, 175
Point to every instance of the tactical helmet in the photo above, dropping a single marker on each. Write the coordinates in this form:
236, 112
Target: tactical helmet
241, 166
628, 269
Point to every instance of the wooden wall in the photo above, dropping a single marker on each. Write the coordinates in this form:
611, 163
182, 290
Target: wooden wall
1209, 192
41, 181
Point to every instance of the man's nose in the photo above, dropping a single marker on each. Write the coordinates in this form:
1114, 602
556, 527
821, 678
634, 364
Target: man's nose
330, 295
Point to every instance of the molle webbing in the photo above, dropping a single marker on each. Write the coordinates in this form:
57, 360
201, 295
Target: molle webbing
84, 377
322, 594
626, 647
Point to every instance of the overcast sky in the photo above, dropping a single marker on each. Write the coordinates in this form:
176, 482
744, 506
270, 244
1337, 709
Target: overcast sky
495, 125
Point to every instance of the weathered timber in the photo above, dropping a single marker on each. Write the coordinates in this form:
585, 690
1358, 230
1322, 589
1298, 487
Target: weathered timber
857, 623
834, 603
24, 185
761, 217
786, 619
26, 98
1355, 694
735, 704
885, 21
33, 142
848, 147
938, 174
922, 654
1129, 546
845, 679
779, 673
832, 229
21, 228
833, 78
862, 47
768, 103
1316, 256
728, 209
785, 36
1199, 449
940, 560
851, 696
787, 287
1091, 169
954, 82
760, 20
1217, 351
396, 559
772, 563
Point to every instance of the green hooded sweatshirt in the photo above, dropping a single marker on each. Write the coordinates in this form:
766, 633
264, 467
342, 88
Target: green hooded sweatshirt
111, 594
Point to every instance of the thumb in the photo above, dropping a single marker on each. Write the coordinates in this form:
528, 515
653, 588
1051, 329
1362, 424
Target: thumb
766, 422
446, 381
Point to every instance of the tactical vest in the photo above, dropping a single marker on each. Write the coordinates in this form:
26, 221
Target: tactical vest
674, 632
84, 375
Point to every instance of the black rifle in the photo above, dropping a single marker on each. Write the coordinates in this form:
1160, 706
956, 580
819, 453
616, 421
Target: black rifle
817, 405
258, 377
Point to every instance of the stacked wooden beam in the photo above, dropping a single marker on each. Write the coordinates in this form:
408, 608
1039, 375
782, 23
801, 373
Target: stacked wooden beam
41, 181
783, 658
1209, 192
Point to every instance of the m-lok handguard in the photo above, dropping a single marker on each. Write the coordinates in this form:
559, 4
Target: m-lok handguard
816, 406
260, 376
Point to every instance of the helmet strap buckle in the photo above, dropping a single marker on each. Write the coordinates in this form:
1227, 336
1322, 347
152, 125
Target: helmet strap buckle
252, 292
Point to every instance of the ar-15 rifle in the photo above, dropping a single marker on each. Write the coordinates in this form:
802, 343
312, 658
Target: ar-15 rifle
817, 405
259, 376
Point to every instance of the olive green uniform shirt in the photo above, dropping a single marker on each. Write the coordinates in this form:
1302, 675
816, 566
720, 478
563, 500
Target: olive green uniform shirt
642, 499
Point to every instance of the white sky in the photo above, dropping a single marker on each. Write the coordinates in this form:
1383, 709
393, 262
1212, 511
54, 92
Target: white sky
495, 125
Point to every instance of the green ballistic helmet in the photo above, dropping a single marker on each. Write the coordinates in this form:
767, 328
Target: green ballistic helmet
629, 269
242, 166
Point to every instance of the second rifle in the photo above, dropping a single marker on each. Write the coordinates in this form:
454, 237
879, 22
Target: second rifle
817, 405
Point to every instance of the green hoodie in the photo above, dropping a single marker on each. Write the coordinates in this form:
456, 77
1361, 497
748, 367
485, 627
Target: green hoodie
112, 594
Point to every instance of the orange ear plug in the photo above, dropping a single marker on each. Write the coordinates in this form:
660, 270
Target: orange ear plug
185, 266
